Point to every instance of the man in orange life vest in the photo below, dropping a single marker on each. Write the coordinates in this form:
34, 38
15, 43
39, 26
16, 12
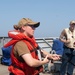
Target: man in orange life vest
24, 54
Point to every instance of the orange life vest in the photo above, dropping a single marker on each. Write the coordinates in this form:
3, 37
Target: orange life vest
21, 68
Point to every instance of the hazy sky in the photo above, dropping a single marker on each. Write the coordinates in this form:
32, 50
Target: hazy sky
53, 15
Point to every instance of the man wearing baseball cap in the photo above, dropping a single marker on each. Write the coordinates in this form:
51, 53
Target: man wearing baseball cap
67, 36
24, 54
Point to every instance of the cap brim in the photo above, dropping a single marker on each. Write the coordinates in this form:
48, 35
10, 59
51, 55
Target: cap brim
35, 24
72, 23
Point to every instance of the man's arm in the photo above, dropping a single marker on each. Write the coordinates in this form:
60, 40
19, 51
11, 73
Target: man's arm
50, 56
63, 37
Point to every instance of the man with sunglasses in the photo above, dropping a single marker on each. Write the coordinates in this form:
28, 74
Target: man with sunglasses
24, 55
68, 58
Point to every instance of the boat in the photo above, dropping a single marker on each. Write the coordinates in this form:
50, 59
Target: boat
44, 43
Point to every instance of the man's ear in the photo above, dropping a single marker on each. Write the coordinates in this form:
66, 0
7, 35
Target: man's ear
23, 27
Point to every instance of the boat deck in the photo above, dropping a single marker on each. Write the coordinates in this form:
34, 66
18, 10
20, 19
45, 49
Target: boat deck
44, 43
4, 71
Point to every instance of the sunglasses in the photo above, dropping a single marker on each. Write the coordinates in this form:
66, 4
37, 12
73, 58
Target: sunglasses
32, 26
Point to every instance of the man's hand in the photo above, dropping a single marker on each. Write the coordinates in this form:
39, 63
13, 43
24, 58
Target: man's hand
68, 41
54, 57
